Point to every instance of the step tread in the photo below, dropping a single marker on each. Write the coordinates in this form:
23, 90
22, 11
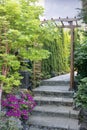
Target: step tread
64, 77
53, 89
61, 89
55, 83
56, 109
56, 99
54, 122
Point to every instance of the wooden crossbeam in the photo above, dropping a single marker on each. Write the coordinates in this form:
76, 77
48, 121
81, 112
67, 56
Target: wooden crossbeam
62, 19
67, 26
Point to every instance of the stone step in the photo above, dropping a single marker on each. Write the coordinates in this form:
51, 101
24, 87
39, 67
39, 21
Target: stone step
55, 111
58, 91
54, 83
34, 128
52, 123
42, 100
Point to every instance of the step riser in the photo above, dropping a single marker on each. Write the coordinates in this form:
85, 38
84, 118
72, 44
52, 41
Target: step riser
48, 128
57, 103
52, 114
55, 83
53, 94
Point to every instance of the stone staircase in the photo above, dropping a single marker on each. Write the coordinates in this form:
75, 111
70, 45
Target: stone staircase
54, 110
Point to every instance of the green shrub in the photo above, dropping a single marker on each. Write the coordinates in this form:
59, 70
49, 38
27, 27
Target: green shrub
56, 41
19, 39
81, 96
81, 60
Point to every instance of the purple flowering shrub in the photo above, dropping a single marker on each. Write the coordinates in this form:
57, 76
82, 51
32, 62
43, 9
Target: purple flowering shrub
18, 106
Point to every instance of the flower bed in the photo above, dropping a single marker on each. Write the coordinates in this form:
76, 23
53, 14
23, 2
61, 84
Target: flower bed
18, 106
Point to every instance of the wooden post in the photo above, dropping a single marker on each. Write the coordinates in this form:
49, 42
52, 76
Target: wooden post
72, 58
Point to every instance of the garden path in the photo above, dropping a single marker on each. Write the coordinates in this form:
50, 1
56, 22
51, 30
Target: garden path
54, 110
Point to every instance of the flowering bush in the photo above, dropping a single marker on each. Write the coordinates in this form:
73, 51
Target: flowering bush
18, 106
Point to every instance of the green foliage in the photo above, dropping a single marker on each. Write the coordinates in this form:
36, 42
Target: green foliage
57, 41
81, 96
10, 123
19, 34
3, 121
14, 124
81, 66
81, 59
83, 13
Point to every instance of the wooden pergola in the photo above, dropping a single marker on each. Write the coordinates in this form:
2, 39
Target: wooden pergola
70, 23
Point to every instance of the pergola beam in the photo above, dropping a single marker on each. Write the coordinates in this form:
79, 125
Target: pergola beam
67, 26
61, 19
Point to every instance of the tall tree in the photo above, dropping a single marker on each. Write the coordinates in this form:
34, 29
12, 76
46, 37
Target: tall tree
19, 39
84, 10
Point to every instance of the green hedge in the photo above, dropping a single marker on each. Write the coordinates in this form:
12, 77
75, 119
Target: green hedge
57, 41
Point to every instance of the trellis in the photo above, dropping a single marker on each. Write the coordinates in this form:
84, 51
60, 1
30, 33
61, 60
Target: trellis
70, 23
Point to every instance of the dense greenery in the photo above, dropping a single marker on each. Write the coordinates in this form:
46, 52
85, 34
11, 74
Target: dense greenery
81, 65
81, 60
57, 41
83, 13
81, 48
19, 42
19, 39
81, 96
